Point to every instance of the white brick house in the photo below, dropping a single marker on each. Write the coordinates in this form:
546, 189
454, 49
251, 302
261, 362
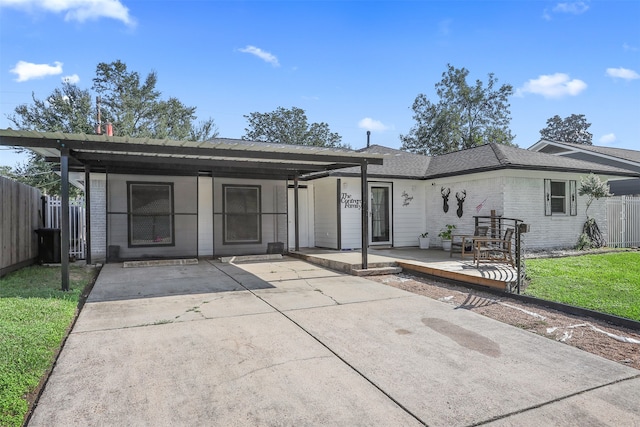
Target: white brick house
537, 188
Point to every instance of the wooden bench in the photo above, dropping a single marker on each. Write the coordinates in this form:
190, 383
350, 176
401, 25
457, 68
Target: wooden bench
463, 243
494, 249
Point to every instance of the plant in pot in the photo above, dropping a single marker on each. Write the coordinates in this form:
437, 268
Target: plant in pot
445, 235
423, 240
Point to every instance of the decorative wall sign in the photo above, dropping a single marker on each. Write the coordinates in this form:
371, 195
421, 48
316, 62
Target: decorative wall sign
445, 198
460, 198
406, 199
349, 202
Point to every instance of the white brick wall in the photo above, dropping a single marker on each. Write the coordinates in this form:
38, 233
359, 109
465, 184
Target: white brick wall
513, 194
484, 193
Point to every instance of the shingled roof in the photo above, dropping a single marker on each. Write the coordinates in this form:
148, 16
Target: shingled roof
397, 164
495, 156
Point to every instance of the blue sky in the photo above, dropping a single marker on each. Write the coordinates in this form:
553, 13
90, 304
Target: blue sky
356, 65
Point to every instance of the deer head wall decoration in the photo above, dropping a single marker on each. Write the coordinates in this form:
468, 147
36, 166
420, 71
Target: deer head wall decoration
460, 198
445, 198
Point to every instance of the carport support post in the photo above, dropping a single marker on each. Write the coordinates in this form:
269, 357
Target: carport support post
296, 223
64, 217
364, 198
87, 212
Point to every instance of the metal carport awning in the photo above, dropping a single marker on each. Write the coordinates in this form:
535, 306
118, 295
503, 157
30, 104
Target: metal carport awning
218, 157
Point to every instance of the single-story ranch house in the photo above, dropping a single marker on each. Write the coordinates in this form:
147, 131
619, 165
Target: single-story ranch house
159, 198
411, 194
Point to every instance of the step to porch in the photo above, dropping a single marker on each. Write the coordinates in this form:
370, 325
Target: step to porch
376, 271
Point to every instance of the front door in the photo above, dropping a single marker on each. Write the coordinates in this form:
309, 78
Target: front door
380, 218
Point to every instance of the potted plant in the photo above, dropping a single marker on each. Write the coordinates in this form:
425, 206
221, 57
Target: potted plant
423, 240
445, 235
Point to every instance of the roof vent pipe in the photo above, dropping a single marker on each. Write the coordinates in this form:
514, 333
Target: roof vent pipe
368, 137
109, 127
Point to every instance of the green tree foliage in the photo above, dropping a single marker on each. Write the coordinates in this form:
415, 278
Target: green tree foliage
290, 126
594, 189
134, 107
68, 109
570, 129
464, 117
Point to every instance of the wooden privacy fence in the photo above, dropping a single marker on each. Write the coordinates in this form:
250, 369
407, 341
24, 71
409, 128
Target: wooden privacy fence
20, 216
77, 223
623, 221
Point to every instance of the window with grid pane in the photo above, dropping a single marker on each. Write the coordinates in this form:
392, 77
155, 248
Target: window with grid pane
558, 197
150, 214
241, 214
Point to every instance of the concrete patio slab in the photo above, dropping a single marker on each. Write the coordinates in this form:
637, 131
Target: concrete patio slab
237, 371
182, 346
614, 405
452, 367
178, 308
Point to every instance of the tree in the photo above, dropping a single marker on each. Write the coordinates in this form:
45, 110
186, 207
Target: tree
290, 126
595, 189
464, 117
68, 109
570, 129
134, 108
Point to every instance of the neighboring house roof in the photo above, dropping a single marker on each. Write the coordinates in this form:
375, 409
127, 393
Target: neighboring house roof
221, 156
620, 157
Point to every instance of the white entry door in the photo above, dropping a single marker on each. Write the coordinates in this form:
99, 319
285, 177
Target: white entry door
305, 227
380, 230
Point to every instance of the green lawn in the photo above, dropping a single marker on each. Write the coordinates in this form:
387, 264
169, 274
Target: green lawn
34, 317
609, 283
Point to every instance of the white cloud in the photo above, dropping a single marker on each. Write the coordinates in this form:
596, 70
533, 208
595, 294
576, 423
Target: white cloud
76, 10
622, 73
576, 7
29, 71
556, 85
629, 48
265, 56
607, 139
73, 79
373, 125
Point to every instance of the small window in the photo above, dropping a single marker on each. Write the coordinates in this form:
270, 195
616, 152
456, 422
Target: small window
150, 214
558, 197
242, 214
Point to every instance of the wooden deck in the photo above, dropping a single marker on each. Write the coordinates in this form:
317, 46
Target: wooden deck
434, 262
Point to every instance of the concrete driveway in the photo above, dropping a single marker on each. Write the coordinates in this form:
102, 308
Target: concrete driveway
287, 343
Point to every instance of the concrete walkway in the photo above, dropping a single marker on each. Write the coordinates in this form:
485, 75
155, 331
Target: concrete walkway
288, 343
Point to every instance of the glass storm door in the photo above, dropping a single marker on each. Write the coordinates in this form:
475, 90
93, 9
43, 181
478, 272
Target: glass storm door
380, 217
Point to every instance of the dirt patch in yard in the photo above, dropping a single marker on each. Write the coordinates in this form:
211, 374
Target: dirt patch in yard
619, 344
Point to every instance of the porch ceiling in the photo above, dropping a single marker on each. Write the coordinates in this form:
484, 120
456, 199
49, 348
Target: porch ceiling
218, 157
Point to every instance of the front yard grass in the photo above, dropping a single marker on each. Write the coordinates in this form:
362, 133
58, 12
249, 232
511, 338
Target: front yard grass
34, 318
609, 283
